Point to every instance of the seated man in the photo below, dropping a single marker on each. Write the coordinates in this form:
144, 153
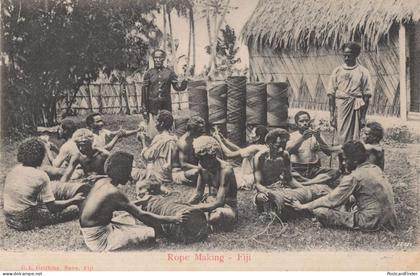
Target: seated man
221, 201
102, 232
27, 191
95, 123
366, 182
65, 131
189, 170
91, 159
304, 146
272, 169
245, 176
161, 155
371, 135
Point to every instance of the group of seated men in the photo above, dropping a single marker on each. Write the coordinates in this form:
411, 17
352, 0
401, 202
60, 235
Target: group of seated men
285, 170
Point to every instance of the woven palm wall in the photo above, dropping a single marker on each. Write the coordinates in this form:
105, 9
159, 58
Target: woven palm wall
308, 74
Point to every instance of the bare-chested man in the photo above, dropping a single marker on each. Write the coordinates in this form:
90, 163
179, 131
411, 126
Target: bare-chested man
104, 138
304, 147
90, 158
272, 168
245, 176
103, 232
221, 201
371, 135
189, 169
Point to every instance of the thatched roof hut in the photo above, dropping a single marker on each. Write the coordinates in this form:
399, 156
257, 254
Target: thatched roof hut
298, 41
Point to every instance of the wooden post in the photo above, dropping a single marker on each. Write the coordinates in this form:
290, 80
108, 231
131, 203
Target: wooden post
403, 73
90, 104
135, 97
101, 104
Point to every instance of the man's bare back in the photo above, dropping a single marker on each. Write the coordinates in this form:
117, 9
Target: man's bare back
99, 205
186, 147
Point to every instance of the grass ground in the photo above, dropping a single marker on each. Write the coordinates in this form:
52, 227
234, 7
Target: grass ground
251, 233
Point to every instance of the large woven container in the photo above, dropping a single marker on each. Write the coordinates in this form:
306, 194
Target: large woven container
193, 230
217, 99
180, 121
236, 110
256, 104
277, 104
197, 98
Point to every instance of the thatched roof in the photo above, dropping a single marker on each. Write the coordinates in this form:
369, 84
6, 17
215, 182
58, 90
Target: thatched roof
298, 24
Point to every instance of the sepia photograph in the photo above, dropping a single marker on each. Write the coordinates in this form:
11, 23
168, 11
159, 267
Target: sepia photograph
209, 135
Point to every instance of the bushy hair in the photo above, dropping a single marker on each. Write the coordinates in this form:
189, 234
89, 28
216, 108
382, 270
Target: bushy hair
195, 122
261, 131
31, 152
82, 134
118, 166
355, 151
89, 118
69, 127
354, 46
165, 119
300, 113
159, 50
206, 145
377, 131
274, 134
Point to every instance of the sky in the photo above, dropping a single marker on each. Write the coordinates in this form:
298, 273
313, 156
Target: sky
236, 19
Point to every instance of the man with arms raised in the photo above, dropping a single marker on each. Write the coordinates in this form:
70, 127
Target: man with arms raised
96, 124
245, 176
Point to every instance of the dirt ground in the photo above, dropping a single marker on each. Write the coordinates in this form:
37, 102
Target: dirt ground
251, 233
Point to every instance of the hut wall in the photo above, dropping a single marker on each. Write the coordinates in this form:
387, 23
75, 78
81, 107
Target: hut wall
308, 74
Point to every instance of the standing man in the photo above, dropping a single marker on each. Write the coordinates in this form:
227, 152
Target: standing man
156, 93
349, 91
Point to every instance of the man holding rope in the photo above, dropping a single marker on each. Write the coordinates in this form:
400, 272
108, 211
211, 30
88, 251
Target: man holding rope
304, 146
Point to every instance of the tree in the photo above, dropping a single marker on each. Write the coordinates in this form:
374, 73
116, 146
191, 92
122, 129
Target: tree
56, 46
183, 8
226, 51
216, 11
